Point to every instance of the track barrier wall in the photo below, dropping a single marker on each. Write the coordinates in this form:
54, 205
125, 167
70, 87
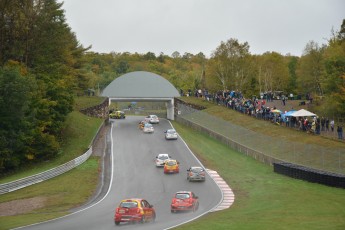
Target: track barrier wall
51, 173
326, 164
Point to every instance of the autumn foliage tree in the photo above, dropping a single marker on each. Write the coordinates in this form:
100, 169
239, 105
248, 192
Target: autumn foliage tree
39, 59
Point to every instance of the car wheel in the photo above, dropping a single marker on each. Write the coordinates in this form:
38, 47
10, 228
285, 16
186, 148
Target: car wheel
143, 219
117, 222
154, 217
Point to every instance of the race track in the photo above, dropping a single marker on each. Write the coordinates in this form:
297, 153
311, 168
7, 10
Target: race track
135, 175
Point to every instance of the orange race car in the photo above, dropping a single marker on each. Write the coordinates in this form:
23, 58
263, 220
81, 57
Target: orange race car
184, 201
171, 166
134, 210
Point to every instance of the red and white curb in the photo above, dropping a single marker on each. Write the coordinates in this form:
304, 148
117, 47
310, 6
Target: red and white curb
228, 195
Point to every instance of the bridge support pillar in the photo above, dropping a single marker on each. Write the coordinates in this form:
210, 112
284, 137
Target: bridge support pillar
170, 109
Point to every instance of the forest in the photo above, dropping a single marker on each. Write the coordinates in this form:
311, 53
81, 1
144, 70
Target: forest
43, 67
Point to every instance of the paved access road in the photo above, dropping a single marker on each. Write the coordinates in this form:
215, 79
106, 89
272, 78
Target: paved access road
135, 175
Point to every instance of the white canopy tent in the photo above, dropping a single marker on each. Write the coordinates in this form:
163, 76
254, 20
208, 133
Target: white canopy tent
303, 113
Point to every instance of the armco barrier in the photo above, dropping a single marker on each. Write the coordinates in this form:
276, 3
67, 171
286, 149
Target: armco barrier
311, 175
34, 179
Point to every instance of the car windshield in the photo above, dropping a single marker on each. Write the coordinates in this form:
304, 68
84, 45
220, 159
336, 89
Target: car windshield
163, 157
129, 204
171, 131
171, 163
148, 125
182, 195
197, 170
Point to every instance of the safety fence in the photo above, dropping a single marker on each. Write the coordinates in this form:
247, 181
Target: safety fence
265, 148
43, 176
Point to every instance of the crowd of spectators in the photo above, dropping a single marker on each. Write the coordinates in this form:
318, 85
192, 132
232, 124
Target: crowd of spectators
258, 108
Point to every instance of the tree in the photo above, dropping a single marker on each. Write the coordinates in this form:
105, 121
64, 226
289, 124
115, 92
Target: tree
150, 56
292, 65
36, 39
230, 60
273, 72
176, 54
334, 77
311, 69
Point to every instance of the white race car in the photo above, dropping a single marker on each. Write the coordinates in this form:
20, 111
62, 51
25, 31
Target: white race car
171, 134
148, 128
153, 119
161, 158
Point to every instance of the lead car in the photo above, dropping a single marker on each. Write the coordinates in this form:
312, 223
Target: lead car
134, 210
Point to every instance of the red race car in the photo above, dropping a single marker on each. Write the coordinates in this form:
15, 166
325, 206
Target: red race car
134, 210
184, 201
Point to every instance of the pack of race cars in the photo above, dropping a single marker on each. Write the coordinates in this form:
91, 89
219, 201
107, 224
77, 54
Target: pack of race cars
139, 210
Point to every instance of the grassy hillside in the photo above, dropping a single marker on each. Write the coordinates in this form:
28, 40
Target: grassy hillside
263, 199
264, 127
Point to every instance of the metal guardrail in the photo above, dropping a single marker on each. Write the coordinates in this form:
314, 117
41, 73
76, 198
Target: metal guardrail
40, 177
37, 178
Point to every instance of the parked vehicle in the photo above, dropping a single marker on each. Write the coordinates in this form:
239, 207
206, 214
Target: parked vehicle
117, 115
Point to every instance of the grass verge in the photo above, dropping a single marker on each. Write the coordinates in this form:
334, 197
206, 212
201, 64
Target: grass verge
59, 196
263, 199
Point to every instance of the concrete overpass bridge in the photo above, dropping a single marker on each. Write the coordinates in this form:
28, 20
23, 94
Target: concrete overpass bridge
142, 86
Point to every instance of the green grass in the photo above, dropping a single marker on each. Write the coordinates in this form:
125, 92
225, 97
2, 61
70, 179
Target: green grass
261, 126
263, 199
86, 102
60, 195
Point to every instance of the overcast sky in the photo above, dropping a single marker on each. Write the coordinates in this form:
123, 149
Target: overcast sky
194, 26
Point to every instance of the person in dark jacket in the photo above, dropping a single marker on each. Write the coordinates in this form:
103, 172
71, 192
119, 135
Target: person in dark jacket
340, 132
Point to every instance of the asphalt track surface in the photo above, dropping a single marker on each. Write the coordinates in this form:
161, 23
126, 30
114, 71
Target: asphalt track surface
134, 175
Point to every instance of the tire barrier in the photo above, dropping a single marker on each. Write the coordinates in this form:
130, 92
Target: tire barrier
43, 176
309, 174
